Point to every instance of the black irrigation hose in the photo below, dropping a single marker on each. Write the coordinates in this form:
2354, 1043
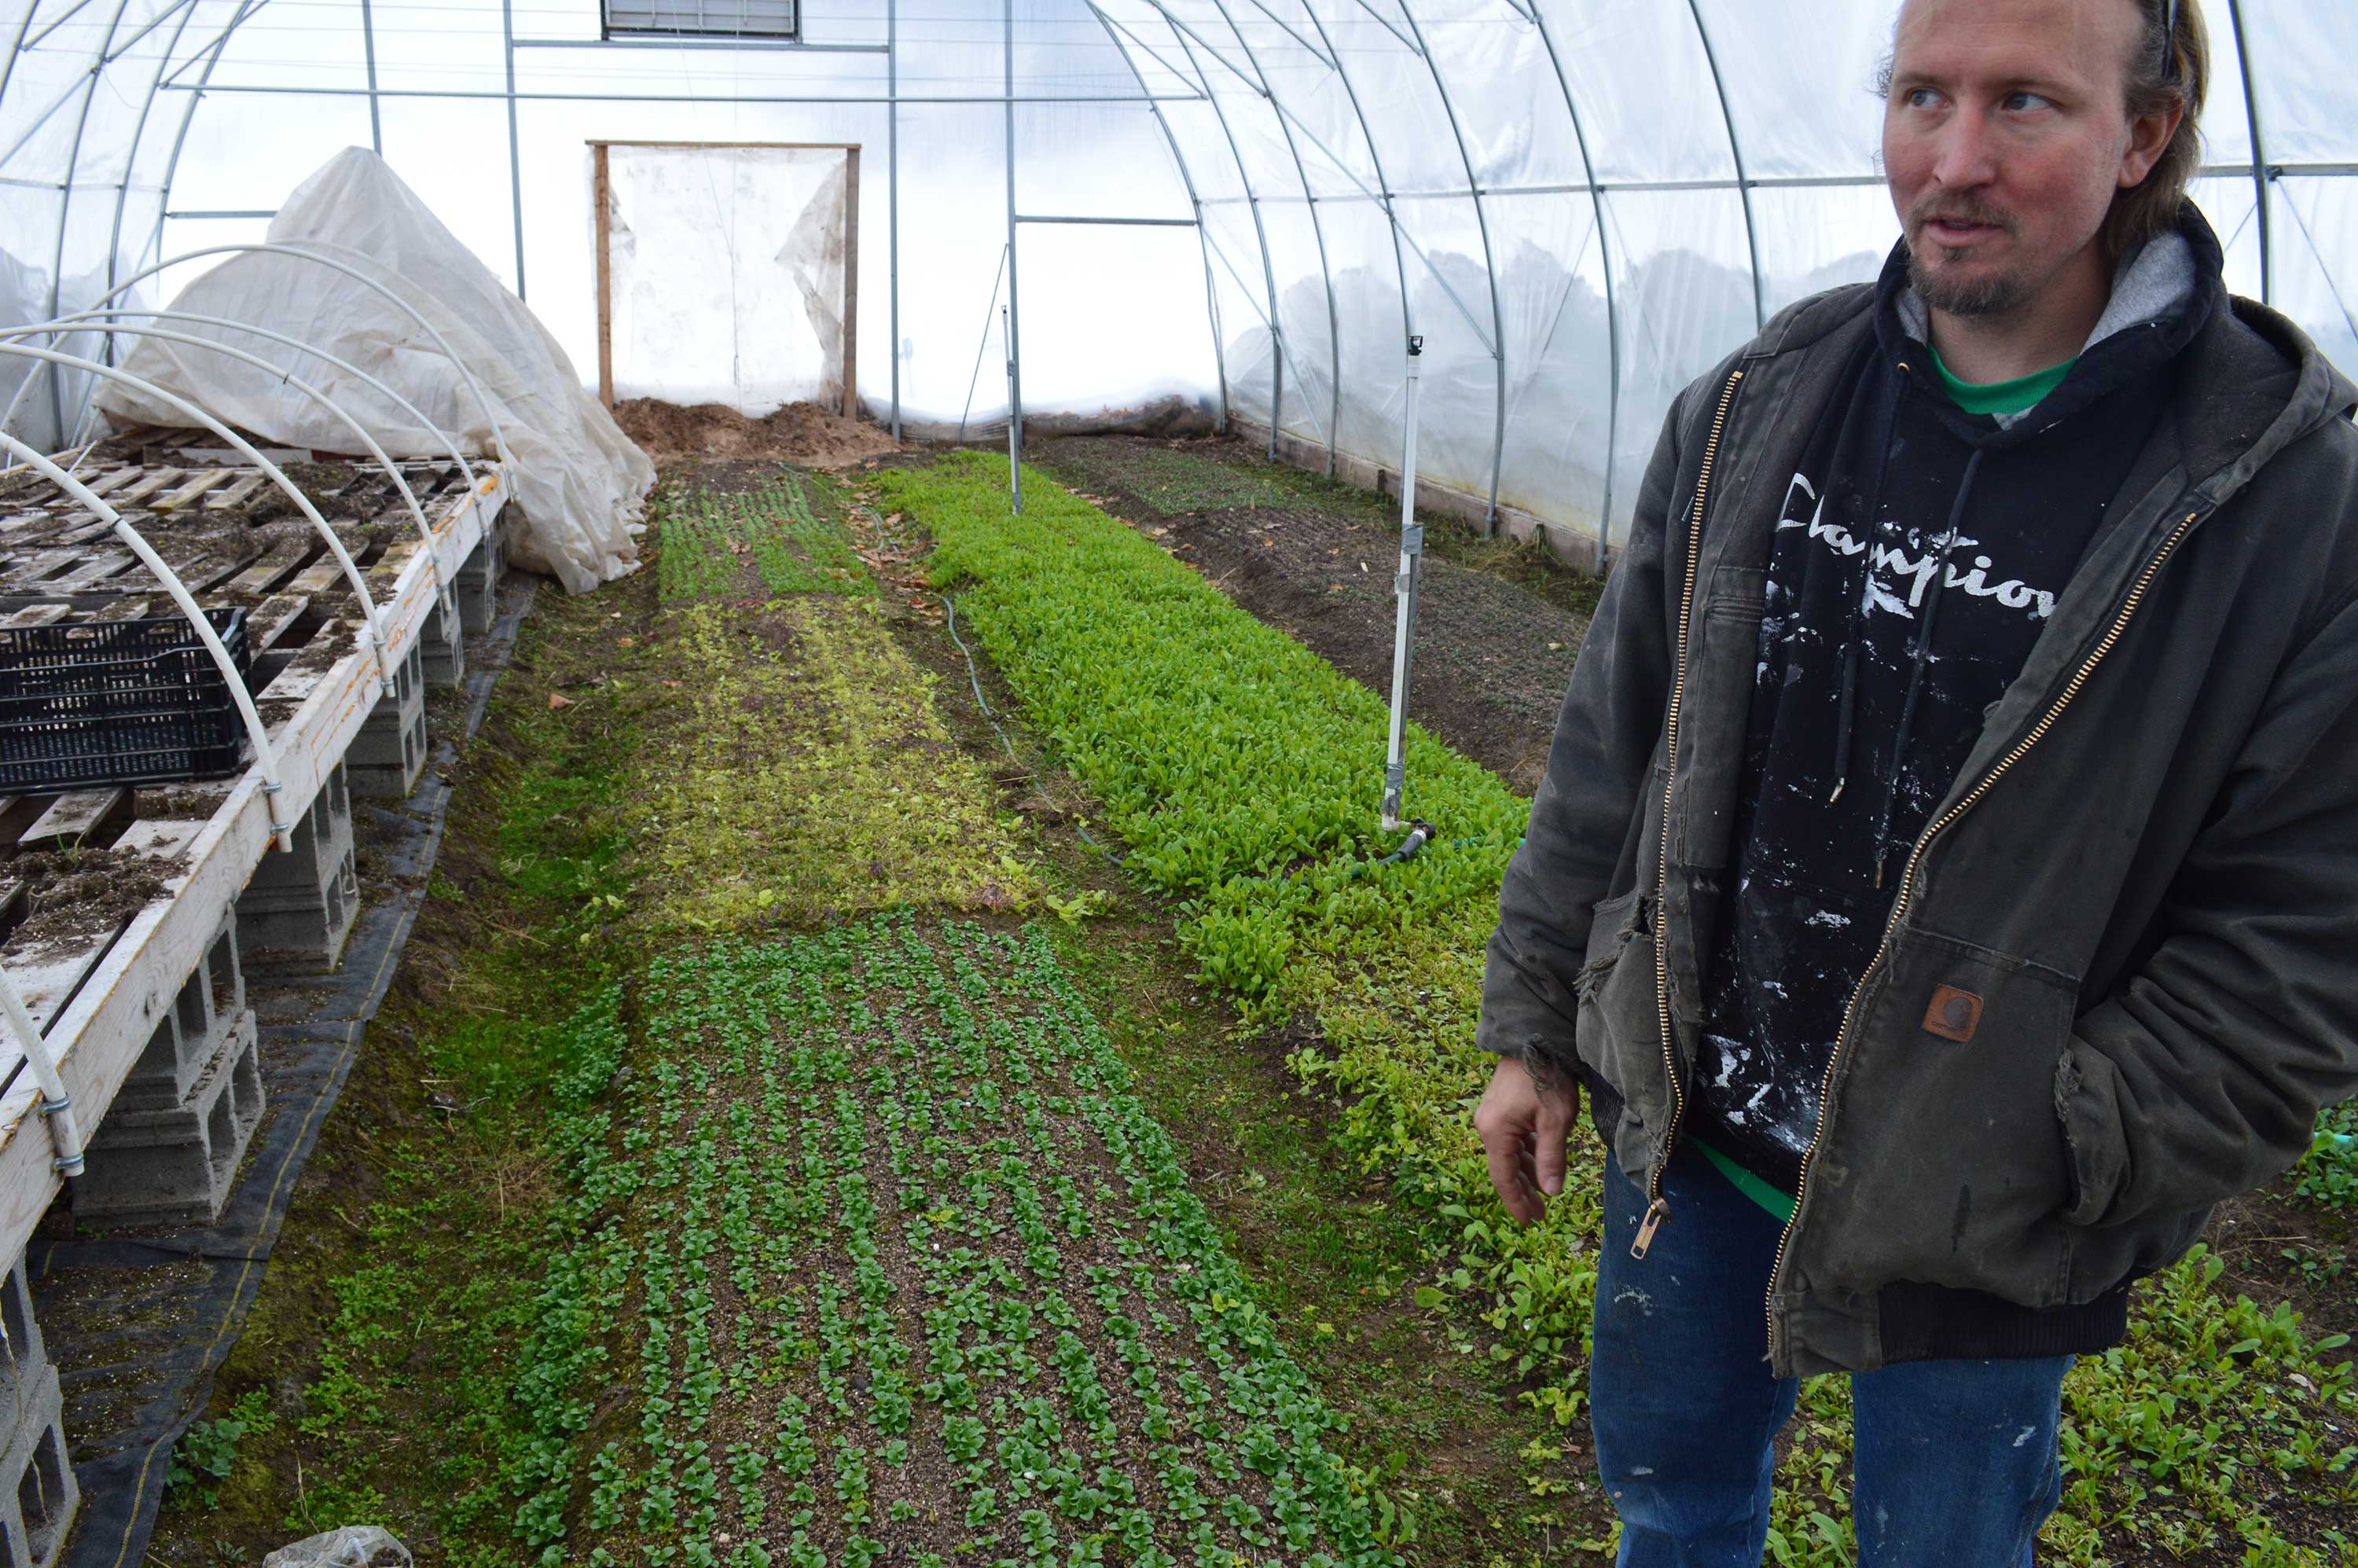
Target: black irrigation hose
974, 679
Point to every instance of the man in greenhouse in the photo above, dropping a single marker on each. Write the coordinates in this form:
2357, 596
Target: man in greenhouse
1945, 882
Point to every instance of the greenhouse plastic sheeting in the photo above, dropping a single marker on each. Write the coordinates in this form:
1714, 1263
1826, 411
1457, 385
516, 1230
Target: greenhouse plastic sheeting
1240, 206
578, 480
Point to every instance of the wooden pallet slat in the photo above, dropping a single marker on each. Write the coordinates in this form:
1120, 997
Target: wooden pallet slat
146, 485
269, 621
189, 493
280, 562
239, 493
73, 816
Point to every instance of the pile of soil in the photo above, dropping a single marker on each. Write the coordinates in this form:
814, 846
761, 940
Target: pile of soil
800, 432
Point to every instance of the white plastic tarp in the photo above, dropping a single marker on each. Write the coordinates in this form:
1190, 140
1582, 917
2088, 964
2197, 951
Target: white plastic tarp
728, 273
578, 480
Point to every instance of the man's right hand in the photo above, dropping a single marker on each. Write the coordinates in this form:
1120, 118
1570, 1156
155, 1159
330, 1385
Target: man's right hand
1523, 1128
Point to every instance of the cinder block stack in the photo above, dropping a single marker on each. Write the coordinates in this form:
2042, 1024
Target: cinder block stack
389, 753
38, 1491
170, 1144
300, 902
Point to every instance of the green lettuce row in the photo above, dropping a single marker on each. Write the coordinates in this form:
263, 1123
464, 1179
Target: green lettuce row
1244, 771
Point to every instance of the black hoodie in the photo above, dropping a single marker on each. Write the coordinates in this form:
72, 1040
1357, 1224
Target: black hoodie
1918, 552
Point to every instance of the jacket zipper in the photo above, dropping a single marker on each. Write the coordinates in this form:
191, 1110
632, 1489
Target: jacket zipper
1907, 892
1658, 1208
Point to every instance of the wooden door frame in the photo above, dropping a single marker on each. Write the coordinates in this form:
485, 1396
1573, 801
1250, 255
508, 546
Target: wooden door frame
601, 201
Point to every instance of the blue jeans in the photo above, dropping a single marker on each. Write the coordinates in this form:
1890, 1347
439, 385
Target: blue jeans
1954, 1461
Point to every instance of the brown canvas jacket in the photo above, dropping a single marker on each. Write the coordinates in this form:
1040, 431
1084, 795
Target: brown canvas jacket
2146, 875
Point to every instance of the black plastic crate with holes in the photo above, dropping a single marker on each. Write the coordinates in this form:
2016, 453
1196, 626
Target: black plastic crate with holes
118, 702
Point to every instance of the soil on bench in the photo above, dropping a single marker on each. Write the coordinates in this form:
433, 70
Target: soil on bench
1498, 625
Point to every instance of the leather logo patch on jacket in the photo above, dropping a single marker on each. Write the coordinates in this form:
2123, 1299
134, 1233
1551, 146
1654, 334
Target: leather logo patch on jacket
1954, 1015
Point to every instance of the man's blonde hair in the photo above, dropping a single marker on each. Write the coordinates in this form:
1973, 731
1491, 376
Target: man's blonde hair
2169, 67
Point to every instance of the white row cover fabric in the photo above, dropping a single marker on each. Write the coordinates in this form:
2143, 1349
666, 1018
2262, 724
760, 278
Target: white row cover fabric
578, 481
1240, 206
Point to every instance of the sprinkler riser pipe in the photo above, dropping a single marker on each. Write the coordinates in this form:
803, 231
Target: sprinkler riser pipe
1404, 595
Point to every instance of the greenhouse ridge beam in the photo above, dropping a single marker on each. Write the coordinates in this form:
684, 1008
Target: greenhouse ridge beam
869, 100
1115, 222
742, 45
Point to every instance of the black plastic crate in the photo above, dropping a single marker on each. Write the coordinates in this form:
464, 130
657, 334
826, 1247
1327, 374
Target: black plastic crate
118, 702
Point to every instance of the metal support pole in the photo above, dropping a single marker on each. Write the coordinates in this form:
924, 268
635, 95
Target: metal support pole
1014, 432
515, 155
212, 55
1375, 162
1411, 554
368, 47
1735, 155
2259, 156
1317, 231
131, 161
892, 190
1014, 318
1195, 202
1612, 311
65, 205
1260, 231
1489, 266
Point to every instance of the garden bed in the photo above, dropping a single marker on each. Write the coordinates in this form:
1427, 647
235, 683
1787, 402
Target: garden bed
623, 1247
1497, 625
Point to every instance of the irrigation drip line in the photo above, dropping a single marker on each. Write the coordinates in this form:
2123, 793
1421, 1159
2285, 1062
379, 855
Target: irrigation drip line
974, 679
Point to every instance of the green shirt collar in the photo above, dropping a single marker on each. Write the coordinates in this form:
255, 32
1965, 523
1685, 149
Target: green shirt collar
2003, 397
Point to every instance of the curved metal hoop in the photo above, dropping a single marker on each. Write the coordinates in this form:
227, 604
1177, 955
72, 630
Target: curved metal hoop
369, 442
265, 759
271, 334
499, 440
302, 501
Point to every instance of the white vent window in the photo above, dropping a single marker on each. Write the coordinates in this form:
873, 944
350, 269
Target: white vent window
704, 18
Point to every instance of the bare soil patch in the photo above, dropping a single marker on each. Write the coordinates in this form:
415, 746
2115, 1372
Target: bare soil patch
800, 432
